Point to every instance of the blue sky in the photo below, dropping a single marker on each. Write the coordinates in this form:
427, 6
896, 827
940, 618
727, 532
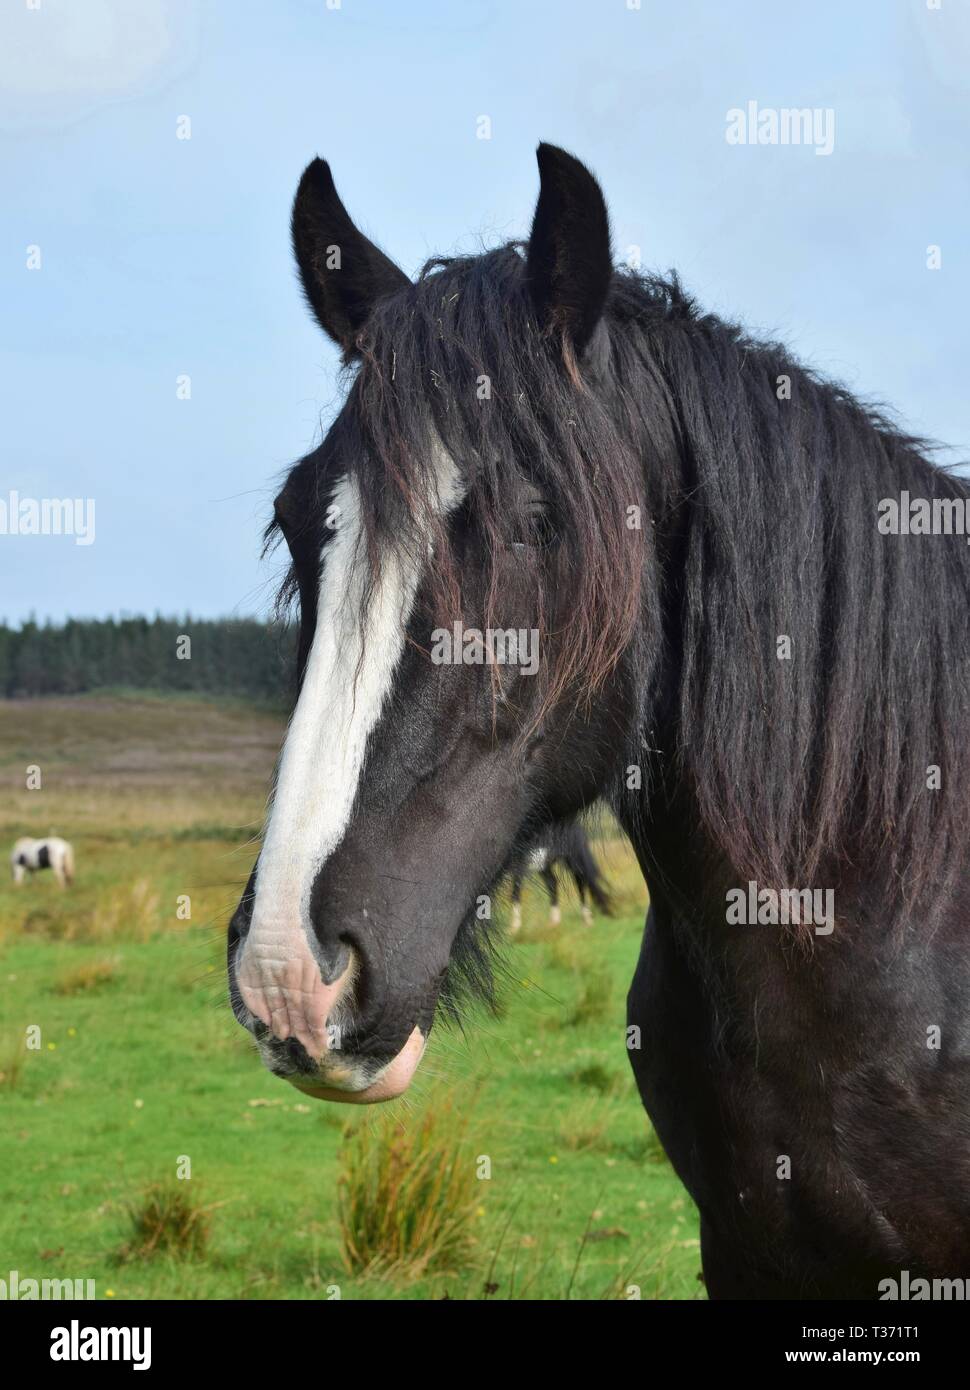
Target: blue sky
162, 257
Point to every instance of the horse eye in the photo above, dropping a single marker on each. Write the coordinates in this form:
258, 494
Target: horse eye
536, 530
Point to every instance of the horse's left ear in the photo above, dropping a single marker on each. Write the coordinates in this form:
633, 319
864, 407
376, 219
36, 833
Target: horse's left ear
569, 263
343, 273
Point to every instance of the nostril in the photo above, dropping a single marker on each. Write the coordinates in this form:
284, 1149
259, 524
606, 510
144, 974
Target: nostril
333, 958
239, 925
241, 919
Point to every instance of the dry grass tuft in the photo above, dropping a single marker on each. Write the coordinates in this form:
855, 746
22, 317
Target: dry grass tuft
167, 1220
13, 1058
87, 977
408, 1195
130, 911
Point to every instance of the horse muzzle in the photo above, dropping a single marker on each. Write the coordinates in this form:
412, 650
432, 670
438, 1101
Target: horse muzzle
300, 1008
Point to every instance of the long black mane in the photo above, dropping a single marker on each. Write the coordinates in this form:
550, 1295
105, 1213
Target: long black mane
801, 766
757, 484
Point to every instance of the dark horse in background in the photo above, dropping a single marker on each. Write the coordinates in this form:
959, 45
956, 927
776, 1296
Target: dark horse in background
563, 847
769, 688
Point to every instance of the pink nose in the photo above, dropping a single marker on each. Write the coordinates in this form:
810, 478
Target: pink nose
280, 983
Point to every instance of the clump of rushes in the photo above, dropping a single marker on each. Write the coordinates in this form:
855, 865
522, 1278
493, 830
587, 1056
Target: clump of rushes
130, 911
593, 1000
12, 1060
598, 1078
167, 1220
408, 1195
89, 975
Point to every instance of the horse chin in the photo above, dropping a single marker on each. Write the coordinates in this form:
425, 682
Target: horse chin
390, 1083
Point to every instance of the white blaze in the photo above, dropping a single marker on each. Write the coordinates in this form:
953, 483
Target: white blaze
349, 675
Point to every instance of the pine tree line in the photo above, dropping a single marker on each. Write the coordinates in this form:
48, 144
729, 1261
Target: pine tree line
222, 656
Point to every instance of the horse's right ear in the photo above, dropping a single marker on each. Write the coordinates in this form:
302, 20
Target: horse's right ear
343, 274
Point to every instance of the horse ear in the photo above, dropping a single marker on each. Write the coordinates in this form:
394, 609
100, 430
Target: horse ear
569, 263
343, 274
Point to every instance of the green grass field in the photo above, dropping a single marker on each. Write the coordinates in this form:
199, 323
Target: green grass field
141, 1075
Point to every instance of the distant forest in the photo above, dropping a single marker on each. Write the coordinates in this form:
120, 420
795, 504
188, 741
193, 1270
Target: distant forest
223, 656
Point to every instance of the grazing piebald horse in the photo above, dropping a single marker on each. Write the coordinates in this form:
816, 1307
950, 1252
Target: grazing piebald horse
737, 642
565, 846
27, 856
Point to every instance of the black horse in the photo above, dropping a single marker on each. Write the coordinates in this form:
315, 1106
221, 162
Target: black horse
571, 537
564, 847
